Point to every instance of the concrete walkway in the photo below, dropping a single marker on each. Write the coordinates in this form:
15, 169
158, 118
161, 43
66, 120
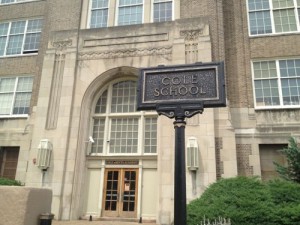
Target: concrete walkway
86, 222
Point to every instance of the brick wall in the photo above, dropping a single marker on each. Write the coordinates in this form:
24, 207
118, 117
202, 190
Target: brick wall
243, 153
219, 163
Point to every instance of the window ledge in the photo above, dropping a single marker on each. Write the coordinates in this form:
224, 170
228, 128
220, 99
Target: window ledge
15, 3
277, 108
16, 56
14, 116
274, 35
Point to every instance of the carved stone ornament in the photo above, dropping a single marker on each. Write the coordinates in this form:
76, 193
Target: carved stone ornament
165, 51
191, 35
62, 44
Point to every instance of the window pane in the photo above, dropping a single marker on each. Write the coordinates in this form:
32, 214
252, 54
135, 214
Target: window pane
291, 91
130, 2
101, 103
15, 45
98, 135
282, 3
150, 135
130, 14
22, 103
260, 22
265, 69
5, 103
4, 29
99, 4
124, 97
32, 42
289, 68
2, 45
7, 84
258, 4
7, 1
34, 25
124, 135
25, 84
162, 12
17, 27
266, 93
99, 18
285, 20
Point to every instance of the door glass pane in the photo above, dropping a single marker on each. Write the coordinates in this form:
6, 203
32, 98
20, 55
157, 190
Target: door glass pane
124, 135
111, 194
129, 191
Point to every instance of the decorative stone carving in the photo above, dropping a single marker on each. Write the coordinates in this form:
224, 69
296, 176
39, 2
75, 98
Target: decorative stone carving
56, 85
191, 35
165, 51
62, 44
191, 44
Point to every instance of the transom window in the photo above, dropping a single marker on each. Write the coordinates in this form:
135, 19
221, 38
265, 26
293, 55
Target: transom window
273, 16
118, 128
277, 83
15, 95
20, 37
105, 13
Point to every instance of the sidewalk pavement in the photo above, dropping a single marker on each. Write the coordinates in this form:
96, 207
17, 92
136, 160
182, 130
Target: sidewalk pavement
86, 222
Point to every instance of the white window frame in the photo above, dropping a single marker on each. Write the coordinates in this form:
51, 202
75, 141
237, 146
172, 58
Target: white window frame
17, 2
278, 78
271, 10
152, 10
108, 116
14, 98
23, 52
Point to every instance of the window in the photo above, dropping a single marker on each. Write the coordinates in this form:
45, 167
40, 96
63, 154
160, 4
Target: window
99, 13
15, 95
273, 16
130, 12
108, 13
118, 128
277, 83
20, 37
8, 162
162, 10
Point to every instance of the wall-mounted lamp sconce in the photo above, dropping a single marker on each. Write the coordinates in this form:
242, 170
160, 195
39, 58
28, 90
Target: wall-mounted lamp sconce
192, 154
44, 154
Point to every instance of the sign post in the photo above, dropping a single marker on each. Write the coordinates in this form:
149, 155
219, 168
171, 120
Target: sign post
181, 92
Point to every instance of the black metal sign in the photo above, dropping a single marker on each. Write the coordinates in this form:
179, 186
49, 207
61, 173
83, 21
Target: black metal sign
201, 82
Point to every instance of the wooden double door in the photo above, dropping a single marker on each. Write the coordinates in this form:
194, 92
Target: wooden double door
120, 193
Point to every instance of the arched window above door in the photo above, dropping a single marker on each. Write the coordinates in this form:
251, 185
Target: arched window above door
118, 129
